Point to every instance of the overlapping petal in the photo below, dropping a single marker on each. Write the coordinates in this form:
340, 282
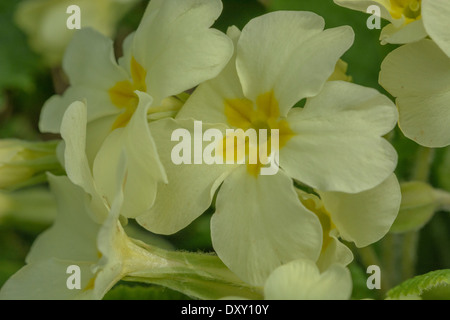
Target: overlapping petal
207, 101
71, 241
435, 18
365, 217
260, 224
294, 69
191, 187
338, 143
418, 75
176, 46
302, 280
92, 70
144, 168
333, 251
413, 32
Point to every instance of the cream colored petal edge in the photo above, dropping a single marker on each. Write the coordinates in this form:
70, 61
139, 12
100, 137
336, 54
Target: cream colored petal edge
73, 227
425, 119
73, 132
363, 5
260, 224
207, 103
293, 64
178, 49
338, 143
301, 280
191, 187
435, 18
144, 168
365, 217
412, 32
416, 69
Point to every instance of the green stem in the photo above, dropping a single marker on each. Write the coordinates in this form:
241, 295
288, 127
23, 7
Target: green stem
202, 276
390, 257
409, 254
442, 199
422, 168
369, 257
421, 173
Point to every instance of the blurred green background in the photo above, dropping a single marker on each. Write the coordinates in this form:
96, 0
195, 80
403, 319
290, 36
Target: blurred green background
26, 83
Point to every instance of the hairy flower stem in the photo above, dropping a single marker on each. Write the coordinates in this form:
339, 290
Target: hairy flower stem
422, 168
442, 199
390, 258
409, 254
201, 276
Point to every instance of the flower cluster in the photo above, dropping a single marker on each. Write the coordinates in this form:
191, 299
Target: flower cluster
277, 236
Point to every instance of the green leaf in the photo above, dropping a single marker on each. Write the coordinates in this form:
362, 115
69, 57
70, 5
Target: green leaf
139, 292
435, 285
417, 207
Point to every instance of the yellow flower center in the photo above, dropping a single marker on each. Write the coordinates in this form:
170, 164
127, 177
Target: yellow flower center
123, 94
264, 114
410, 9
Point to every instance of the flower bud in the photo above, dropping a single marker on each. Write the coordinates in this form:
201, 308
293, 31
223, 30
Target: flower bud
23, 163
417, 207
45, 22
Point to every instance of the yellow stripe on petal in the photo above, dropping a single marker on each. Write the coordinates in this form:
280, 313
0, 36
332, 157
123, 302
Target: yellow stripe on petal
264, 114
90, 285
138, 74
267, 106
123, 95
239, 112
125, 117
315, 205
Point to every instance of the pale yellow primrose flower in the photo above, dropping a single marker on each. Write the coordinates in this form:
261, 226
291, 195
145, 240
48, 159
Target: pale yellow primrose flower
104, 255
418, 75
44, 22
362, 218
173, 50
405, 17
144, 168
334, 143
103, 252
